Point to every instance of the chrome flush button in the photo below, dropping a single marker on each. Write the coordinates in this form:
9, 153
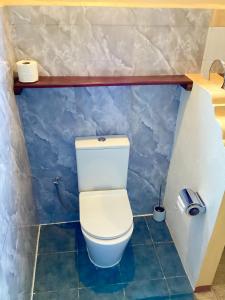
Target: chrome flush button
101, 139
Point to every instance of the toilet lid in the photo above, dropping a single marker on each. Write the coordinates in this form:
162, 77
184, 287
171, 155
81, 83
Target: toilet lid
105, 214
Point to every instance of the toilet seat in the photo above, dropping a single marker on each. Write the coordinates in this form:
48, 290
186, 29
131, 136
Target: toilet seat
105, 215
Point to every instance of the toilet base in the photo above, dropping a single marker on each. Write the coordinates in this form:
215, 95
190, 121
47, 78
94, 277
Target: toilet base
106, 253
102, 267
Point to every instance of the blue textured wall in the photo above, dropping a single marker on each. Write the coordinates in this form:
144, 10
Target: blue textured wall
52, 118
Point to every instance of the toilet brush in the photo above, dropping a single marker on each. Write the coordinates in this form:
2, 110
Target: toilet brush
159, 212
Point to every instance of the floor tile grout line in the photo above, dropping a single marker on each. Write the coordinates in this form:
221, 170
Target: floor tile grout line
152, 242
84, 250
93, 286
119, 267
56, 223
162, 271
35, 263
107, 284
143, 215
158, 259
133, 245
163, 243
78, 221
58, 252
149, 230
177, 276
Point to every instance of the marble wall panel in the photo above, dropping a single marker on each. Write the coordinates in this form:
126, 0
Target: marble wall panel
52, 118
17, 208
110, 41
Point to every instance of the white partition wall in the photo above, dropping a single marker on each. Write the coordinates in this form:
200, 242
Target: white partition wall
198, 162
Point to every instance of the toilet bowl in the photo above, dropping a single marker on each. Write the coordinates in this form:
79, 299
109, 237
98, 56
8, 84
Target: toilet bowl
107, 225
106, 253
105, 213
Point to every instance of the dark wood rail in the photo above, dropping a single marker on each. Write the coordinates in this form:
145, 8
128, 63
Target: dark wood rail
85, 81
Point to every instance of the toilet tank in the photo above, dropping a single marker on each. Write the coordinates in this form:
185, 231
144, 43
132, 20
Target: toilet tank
102, 162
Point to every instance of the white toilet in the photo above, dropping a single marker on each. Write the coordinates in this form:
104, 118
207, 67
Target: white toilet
105, 213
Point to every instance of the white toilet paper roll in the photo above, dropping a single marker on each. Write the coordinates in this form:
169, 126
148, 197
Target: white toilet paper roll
27, 70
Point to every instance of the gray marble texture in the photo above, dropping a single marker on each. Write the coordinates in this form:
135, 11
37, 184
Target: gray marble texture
17, 208
110, 41
52, 118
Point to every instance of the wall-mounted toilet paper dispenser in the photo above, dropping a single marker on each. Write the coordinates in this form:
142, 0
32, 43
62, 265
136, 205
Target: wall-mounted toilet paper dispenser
191, 202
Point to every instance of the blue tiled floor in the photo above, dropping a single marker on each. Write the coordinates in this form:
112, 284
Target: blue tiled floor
150, 267
140, 262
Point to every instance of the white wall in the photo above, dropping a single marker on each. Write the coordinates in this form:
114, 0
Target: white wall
214, 48
198, 162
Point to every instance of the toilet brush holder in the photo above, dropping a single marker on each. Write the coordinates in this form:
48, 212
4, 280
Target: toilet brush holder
159, 213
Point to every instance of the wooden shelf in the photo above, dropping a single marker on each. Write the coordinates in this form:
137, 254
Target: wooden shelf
85, 81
